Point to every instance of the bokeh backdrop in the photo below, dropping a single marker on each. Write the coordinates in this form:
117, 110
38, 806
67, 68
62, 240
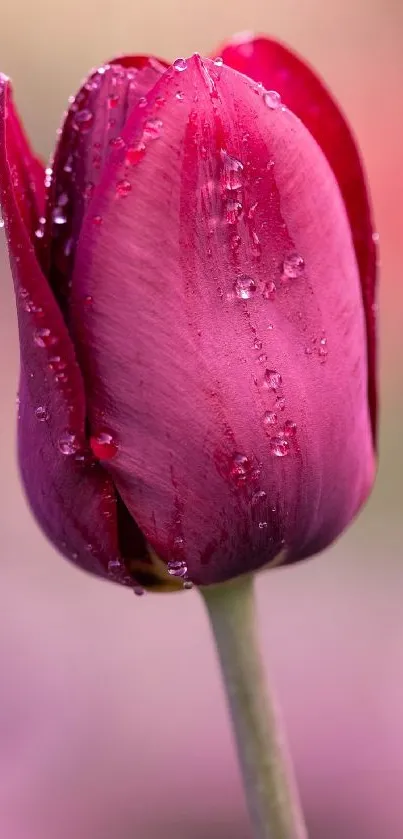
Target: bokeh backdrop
112, 719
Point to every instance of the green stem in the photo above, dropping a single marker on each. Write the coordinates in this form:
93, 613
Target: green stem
267, 773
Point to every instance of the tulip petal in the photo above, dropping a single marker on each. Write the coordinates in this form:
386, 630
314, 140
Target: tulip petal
90, 135
71, 496
304, 93
223, 348
27, 175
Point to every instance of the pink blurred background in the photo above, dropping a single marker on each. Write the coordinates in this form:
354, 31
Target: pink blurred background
112, 718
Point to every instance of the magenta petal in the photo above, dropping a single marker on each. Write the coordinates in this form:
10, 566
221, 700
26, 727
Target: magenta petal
72, 498
91, 134
225, 344
303, 92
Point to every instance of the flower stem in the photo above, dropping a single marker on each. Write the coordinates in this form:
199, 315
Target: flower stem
267, 774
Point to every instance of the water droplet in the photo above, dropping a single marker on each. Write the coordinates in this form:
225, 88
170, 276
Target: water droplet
269, 418
293, 266
88, 300
123, 187
180, 64
262, 358
280, 403
262, 525
39, 233
56, 363
103, 445
1, 223
233, 211
269, 291
258, 497
179, 542
187, 584
177, 568
257, 345
179, 96
244, 287
272, 99
241, 469
44, 338
290, 428
68, 443
115, 566
83, 120
232, 172
117, 142
42, 413
375, 237
113, 100
272, 379
279, 446
59, 216
97, 220
152, 128
235, 243
135, 153
219, 61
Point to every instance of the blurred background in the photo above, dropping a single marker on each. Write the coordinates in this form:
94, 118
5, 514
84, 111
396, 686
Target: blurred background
112, 718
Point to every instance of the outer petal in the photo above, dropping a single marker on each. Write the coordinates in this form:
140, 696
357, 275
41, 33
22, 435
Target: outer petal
71, 496
183, 367
90, 135
305, 94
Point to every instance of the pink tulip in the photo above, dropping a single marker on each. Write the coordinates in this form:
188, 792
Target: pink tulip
195, 298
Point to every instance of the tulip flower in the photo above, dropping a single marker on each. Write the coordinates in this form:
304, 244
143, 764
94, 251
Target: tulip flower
195, 284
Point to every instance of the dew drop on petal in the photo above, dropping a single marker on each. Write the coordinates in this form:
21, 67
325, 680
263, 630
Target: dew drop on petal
218, 61
1, 223
272, 379
293, 266
180, 64
290, 428
152, 128
103, 445
233, 211
177, 568
42, 413
59, 216
232, 172
262, 525
258, 497
269, 418
123, 187
269, 291
244, 287
44, 338
83, 120
68, 443
279, 446
280, 403
272, 99
135, 153
241, 469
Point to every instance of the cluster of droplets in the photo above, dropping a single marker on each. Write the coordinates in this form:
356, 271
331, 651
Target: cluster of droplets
244, 475
118, 572
152, 130
318, 347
